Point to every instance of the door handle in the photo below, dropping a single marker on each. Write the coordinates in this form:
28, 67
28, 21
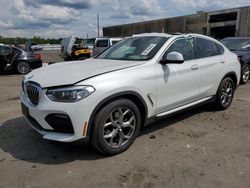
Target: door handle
221, 61
194, 67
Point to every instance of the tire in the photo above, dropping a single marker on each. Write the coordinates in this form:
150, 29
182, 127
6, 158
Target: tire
23, 67
225, 94
245, 75
113, 133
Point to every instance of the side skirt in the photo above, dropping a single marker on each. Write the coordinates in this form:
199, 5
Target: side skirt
180, 109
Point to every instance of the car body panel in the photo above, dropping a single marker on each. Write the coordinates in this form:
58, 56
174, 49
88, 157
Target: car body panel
177, 81
76, 71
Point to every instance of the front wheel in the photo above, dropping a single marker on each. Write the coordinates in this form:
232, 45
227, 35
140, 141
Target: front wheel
116, 126
23, 67
225, 94
245, 74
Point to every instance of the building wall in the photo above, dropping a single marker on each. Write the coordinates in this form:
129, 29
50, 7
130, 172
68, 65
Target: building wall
244, 25
198, 23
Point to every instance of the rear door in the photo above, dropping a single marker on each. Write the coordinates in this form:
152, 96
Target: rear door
210, 59
178, 84
5, 55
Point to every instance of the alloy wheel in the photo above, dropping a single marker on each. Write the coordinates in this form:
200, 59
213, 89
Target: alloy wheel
23, 67
119, 127
226, 93
246, 74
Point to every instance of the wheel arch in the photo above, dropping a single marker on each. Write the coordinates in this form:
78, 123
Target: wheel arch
20, 60
130, 95
233, 76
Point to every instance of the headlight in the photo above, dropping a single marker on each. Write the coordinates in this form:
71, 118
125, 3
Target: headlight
70, 94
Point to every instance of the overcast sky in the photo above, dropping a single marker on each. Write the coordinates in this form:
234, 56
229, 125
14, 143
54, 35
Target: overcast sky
61, 18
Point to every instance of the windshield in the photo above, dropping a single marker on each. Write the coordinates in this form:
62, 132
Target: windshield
134, 49
237, 44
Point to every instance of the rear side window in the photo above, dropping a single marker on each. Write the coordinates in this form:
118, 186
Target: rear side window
183, 46
220, 48
205, 48
102, 43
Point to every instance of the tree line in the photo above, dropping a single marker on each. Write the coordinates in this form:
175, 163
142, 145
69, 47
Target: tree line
22, 40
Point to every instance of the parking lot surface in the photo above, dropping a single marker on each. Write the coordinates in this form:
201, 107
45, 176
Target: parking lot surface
197, 148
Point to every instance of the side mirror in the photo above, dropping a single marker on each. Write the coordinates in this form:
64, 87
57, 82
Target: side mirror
173, 57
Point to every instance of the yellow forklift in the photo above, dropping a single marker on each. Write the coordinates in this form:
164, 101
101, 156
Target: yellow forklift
76, 48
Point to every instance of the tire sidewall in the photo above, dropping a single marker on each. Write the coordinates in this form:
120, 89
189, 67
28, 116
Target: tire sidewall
99, 122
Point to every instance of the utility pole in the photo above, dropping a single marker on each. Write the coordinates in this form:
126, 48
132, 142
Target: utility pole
98, 32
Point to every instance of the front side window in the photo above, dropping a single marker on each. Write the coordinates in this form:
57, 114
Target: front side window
183, 46
135, 49
205, 48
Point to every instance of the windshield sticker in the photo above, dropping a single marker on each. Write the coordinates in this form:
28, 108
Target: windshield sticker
148, 49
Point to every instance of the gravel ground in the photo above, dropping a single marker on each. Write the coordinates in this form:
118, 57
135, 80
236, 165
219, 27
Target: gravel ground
198, 148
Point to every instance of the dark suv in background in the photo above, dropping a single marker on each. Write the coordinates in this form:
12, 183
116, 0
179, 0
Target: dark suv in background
18, 59
241, 47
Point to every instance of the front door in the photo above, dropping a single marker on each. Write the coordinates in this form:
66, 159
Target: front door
178, 84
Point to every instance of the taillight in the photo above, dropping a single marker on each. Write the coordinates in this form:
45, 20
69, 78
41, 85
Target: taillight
38, 56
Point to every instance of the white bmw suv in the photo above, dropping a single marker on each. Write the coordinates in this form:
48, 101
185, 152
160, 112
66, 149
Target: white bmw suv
107, 99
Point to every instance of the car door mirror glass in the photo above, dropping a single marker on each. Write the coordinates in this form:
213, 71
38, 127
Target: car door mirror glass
173, 57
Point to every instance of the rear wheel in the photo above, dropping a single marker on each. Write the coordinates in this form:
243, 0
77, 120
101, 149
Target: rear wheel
245, 74
23, 67
225, 94
116, 127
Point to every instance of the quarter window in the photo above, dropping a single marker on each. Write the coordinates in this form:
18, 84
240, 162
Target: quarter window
183, 46
205, 48
220, 48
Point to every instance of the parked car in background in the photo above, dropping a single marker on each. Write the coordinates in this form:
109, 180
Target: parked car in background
107, 99
101, 44
18, 59
241, 47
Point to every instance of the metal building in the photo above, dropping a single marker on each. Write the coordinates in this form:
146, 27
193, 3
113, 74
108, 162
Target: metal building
233, 22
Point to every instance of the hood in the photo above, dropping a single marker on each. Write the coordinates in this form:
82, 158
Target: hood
68, 73
67, 45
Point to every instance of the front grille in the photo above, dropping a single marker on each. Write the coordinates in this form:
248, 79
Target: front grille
33, 92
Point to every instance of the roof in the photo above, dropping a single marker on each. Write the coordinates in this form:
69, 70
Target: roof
169, 35
153, 35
